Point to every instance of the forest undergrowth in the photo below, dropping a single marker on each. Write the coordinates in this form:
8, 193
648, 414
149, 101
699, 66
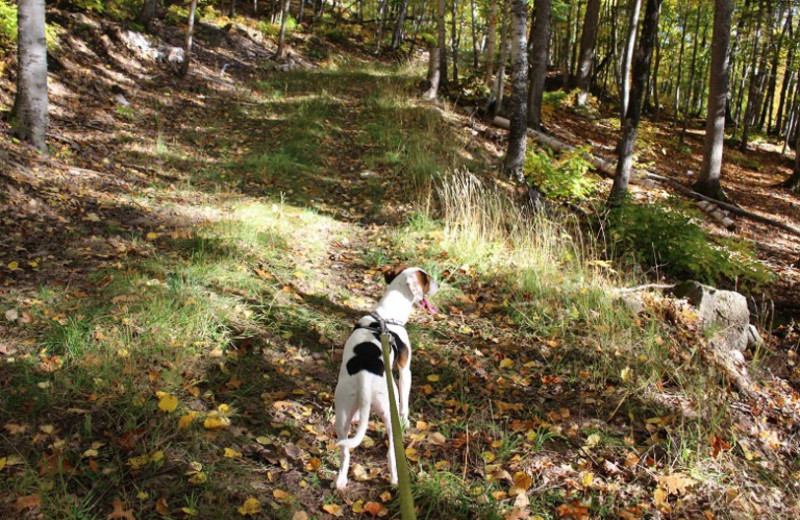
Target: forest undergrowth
177, 289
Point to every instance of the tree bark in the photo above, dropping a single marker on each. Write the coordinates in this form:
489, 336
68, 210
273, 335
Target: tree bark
455, 41
517, 136
630, 125
708, 183
627, 56
29, 114
491, 37
496, 99
148, 14
441, 32
588, 37
397, 35
755, 77
474, 28
433, 74
187, 57
538, 70
282, 35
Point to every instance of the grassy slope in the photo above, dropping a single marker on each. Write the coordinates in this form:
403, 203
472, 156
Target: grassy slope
226, 271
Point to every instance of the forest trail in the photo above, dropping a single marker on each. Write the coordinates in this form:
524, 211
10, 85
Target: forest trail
178, 286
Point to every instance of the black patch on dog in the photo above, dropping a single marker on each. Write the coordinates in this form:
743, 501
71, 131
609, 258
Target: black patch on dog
366, 356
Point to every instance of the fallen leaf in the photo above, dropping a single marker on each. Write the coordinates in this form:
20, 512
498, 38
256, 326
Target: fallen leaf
230, 453
250, 507
375, 509
281, 495
333, 509
506, 363
27, 502
168, 403
162, 508
185, 421
119, 511
300, 515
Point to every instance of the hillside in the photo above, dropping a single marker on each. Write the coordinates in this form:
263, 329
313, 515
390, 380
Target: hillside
178, 276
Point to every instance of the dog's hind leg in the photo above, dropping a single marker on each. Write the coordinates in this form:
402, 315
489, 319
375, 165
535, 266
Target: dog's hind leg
386, 416
343, 420
404, 382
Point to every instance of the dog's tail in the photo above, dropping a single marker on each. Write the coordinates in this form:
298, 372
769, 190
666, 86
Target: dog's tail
363, 416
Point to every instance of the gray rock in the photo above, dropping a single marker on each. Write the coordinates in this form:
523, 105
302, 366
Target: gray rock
723, 313
754, 339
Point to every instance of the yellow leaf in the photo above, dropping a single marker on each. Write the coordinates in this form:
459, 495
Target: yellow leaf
300, 515
224, 409
443, 465
280, 495
358, 506
587, 479
626, 374
333, 509
46, 428
168, 403
157, 456
506, 363
313, 464
152, 236
216, 422
386, 496
263, 440
659, 497
188, 511
13, 266
138, 462
230, 453
185, 421
488, 457
522, 481
676, 483
433, 378
412, 454
3, 462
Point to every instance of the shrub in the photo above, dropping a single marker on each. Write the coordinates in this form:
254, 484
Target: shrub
662, 237
564, 177
8, 23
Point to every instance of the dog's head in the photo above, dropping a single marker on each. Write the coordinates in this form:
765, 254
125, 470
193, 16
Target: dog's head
415, 282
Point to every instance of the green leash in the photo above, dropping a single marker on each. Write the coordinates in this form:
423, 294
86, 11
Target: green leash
403, 479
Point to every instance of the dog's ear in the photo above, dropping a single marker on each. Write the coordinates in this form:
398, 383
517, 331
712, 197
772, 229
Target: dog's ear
416, 282
391, 273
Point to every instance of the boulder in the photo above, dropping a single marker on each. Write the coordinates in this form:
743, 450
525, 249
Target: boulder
723, 313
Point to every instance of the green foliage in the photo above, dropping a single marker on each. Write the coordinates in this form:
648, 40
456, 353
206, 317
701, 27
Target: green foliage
8, 23
661, 237
564, 177
118, 10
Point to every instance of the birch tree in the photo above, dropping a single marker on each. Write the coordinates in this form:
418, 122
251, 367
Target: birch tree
517, 134
538, 71
586, 57
29, 114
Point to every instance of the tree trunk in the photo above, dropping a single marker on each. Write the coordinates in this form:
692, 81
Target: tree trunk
187, 55
474, 28
29, 115
442, 39
491, 37
627, 56
148, 14
433, 74
301, 11
679, 79
454, 41
232, 11
708, 181
282, 35
641, 67
793, 182
541, 38
517, 134
397, 35
496, 99
687, 102
755, 77
588, 37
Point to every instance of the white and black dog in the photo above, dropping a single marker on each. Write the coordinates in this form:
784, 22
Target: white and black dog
362, 384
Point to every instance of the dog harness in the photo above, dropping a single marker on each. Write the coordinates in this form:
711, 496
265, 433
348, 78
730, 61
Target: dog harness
368, 354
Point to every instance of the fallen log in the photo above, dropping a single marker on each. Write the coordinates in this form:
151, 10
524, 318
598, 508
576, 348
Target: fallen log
608, 169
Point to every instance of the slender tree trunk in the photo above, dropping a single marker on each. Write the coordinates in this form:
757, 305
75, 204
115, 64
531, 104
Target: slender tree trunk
641, 66
255, 6
708, 181
518, 120
793, 182
474, 27
454, 40
679, 82
541, 38
755, 77
232, 10
627, 56
397, 35
588, 38
767, 108
497, 95
687, 101
29, 114
442, 38
491, 37
788, 75
282, 35
187, 58
301, 11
